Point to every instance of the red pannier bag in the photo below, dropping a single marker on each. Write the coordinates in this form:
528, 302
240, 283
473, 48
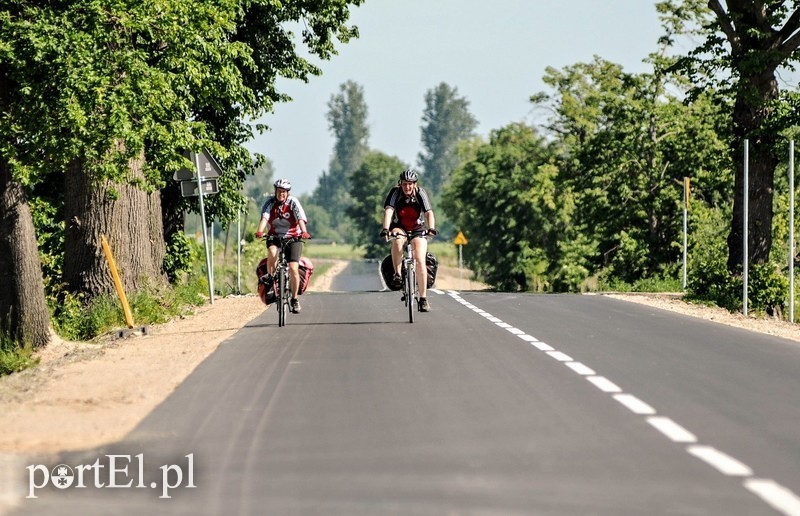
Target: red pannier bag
306, 270
266, 287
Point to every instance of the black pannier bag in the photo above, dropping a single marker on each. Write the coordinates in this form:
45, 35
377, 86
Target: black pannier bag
432, 265
387, 270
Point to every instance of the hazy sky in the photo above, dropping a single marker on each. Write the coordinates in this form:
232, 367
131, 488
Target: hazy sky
494, 52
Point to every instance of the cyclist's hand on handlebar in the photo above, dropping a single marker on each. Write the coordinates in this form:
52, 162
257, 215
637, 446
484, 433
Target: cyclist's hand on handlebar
259, 234
306, 235
432, 232
384, 233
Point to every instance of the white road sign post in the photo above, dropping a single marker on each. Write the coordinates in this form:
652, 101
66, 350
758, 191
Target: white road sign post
202, 180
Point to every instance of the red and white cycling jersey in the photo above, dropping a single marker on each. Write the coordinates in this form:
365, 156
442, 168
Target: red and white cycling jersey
283, 217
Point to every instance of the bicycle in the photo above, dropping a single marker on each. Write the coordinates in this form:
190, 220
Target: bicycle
408, 270
280, 280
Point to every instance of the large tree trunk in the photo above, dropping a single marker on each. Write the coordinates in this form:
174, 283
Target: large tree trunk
23, 307
130, 219
751, 109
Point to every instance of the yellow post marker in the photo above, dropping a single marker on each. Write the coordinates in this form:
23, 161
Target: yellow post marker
117, 283
686, 191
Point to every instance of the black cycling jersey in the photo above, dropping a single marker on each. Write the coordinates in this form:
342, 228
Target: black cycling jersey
408, 211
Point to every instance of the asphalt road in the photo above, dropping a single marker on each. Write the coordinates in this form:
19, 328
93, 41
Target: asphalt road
490, 404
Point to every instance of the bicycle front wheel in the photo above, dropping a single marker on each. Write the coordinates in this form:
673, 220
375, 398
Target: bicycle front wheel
282, 297
410, 286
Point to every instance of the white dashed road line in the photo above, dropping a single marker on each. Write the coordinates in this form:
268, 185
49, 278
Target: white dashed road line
777, 496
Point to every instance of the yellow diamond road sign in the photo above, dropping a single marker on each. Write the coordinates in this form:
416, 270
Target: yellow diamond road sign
460, 239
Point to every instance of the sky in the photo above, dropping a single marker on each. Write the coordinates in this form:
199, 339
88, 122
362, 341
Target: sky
494, 53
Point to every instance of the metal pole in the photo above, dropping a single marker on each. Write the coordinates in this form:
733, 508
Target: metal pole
239, 252
212, 246
745, 258
791, 231
685, 226
205, 231
460, 276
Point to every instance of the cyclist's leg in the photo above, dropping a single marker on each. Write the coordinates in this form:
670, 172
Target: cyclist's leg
293, 253
294, 278
272, 257
397, 254
420, 249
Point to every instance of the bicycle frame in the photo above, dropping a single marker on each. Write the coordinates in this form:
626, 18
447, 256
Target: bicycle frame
408, 273
282, 280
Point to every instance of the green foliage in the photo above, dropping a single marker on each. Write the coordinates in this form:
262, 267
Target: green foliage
178, 258
712, 283
320, 223
370, 184
13, 357
74, 318
626, 146
347, 118
446, 121
505, 199
654, 284
767, 288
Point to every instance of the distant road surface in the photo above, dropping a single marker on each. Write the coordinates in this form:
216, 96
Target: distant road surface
493, 403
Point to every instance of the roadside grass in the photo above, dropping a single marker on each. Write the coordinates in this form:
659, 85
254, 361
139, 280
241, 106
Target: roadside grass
73, 319
14, 358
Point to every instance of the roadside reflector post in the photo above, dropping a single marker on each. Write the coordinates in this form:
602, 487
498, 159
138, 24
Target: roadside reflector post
126, 309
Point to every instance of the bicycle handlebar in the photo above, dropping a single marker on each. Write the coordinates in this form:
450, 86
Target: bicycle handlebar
397, 236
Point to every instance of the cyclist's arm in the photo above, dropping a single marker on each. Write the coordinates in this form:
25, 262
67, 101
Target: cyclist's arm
430, 219
387, 217
262, 225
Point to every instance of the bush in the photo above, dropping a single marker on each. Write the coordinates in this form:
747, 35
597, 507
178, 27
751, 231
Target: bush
179, 256
710, 282
767, 288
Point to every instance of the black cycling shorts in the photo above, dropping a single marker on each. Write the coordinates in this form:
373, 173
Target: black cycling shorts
293, 249
413, 233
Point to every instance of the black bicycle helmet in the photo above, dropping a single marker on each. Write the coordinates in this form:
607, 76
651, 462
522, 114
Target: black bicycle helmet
408, 175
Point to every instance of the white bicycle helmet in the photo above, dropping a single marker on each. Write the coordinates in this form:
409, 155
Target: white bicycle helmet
283, 183
408, 175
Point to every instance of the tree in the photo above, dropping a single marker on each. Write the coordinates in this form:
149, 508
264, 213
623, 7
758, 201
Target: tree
347, 119
446, 121
505, 199
104, 98
626, 146
745, 44
22, 299
370, 184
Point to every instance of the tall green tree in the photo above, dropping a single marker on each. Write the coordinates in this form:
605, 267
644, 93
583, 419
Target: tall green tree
347, 120
506, 200
370, 184
626, 145
446, 121
745, 43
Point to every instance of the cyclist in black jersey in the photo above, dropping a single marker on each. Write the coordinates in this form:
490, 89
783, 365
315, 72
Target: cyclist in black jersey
408, 207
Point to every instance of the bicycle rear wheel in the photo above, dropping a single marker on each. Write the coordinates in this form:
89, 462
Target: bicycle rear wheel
411, 282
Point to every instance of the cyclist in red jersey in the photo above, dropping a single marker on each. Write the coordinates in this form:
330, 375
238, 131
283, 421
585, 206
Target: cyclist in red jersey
408, 208
285, 217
